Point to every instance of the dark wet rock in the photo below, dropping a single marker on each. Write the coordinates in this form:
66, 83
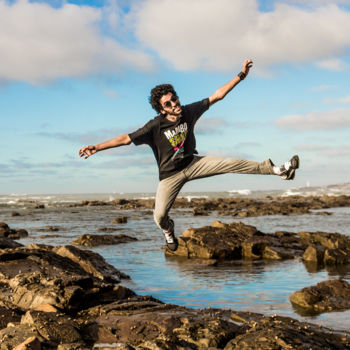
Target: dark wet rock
326, 248
6, 231
88, 240
92, 263
49, 229
323, 297
9, 313
236, 241
199, 212
274, 333
39, 206
146, 323
240, 207
15, 213
51, 236
53, 327
120, 220
107, 229
8, 243
30, 277
14, 336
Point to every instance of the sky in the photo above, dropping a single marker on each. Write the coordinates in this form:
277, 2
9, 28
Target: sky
74, 73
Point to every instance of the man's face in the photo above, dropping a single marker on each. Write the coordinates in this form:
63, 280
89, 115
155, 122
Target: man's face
170, 105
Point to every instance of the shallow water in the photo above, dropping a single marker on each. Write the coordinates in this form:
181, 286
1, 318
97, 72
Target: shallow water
252, 286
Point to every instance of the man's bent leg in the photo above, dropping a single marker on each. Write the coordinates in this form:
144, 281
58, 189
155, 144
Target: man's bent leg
209, 166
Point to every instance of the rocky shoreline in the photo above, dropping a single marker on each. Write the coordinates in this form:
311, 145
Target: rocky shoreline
67, 298
240, 207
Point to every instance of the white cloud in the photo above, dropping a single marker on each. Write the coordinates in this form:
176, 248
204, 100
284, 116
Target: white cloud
200, 34
320, 120
39, 43
332, 64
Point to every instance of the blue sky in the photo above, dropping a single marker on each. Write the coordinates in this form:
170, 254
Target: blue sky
80, 72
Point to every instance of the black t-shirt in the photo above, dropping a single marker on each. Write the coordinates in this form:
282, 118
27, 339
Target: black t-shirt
173, 143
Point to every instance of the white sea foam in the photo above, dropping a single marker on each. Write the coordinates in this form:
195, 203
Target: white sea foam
241, 192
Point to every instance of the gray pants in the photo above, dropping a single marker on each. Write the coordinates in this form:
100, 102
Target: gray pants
201, 167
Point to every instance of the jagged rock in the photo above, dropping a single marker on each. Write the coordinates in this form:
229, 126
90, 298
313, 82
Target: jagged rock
6, 231
314, 253
32, 343
324, 296
239, 206
8, 243
120, 220
236, 241
145, 323
88, 240
276, 332
107, 229
326, 248
49, 229
56, 328
13, 336
92, 263
34, 276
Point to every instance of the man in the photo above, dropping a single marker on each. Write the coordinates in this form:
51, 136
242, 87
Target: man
171, 137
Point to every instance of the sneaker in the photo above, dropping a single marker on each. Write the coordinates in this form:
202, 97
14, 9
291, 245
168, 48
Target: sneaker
171, 240
288, 169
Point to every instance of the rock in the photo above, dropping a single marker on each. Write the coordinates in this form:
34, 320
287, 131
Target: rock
39, 206
145, 323
88, 240
11, 337
6, 231
236, 241
277, 332
15, 213
31, 277
107, 229
32, 343
326, 248
46, 308
9, 314
92, 263
49, 229
323, 297
120, 220
314, 253
8, 243
56, 328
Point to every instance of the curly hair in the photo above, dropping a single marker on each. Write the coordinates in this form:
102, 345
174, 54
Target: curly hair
156, 94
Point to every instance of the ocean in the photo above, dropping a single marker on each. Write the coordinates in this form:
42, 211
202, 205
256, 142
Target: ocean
259, 286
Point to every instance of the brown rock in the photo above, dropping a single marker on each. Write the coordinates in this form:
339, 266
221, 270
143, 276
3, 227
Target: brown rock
56, 328
324, 296
314, 254
120, 220
32, 343
88, 240
235, 241
92, 263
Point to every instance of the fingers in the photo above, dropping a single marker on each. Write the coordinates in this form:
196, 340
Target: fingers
85, 152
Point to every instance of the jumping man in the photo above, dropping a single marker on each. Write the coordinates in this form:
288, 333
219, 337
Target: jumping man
171, 137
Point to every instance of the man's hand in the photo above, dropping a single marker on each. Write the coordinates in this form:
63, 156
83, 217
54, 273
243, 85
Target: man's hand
87, 151
247, 64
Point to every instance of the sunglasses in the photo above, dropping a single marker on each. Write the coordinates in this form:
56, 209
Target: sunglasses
168, 104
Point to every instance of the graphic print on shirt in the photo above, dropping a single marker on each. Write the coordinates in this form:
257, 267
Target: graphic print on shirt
177, 137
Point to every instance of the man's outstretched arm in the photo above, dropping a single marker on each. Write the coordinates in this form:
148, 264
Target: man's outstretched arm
220, 93
88, 151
